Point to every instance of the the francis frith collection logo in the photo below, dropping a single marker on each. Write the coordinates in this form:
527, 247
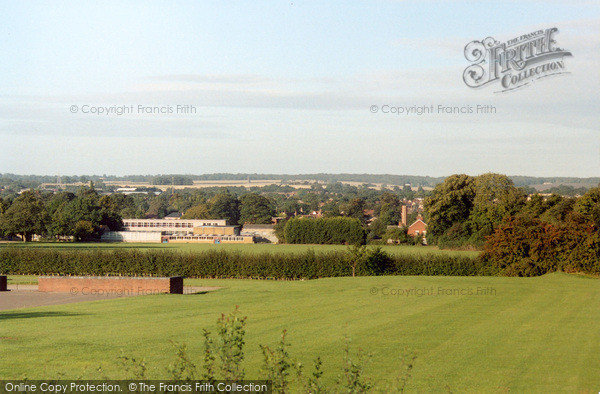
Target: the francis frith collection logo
516, 62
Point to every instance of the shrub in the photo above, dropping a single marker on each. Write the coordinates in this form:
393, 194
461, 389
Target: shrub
523, 246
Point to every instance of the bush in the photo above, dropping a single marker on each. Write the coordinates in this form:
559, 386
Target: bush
397, 235
524, 246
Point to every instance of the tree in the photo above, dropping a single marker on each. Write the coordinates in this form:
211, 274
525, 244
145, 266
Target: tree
496, 197
311, 202
256, 209
396, 235
390, 209
109, 213
26, 216
356, 209
83, 216
535, 206
225, 206
3, 205
171, 180
589, 205
178, 203
289, 207
57, 200
558, 209
357, 254
126, 206
525, 246
451, 202
377, 228
83, 230
331, 209
157, 208
408, 192
199, 211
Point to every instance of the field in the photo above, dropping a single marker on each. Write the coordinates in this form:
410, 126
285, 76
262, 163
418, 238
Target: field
244, 248
525, 334
296, 184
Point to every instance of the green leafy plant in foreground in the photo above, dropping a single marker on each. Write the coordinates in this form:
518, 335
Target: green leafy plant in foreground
224, 355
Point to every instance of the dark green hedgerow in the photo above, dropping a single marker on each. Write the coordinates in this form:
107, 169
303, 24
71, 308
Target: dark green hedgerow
228, 264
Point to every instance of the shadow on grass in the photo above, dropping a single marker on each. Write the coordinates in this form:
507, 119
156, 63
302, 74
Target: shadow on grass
27, 315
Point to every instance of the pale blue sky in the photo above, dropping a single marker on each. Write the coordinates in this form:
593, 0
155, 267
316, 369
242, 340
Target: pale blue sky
286, 87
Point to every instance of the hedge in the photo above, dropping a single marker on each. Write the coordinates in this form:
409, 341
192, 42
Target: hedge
338, 230
227, 264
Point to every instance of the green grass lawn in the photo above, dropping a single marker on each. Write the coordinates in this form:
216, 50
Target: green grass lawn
244, 248
531, 334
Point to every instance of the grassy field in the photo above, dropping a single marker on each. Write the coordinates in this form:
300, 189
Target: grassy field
244, 248
527, 334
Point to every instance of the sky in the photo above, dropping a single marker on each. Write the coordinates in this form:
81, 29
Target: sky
289, 87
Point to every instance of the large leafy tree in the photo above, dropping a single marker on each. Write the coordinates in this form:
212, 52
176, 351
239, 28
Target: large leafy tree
157, 208
450, 203
289, 207
535, 206
83, 216
496, 198
310, 202
356, 209
178, 203
109, 213
331, 209
3, 205
390, 209
199, 211
256, 209
26, 216
57, 200
225, 206
589, 205
408, 192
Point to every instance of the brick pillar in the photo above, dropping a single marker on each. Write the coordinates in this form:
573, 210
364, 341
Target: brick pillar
176, 285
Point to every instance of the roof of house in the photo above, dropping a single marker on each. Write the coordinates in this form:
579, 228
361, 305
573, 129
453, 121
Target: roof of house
173, 215
416, 221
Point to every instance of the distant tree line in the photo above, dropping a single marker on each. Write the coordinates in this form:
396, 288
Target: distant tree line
171, 180
13, 183
81, 215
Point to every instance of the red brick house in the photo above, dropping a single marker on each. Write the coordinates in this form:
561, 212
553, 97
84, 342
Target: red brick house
419, 227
